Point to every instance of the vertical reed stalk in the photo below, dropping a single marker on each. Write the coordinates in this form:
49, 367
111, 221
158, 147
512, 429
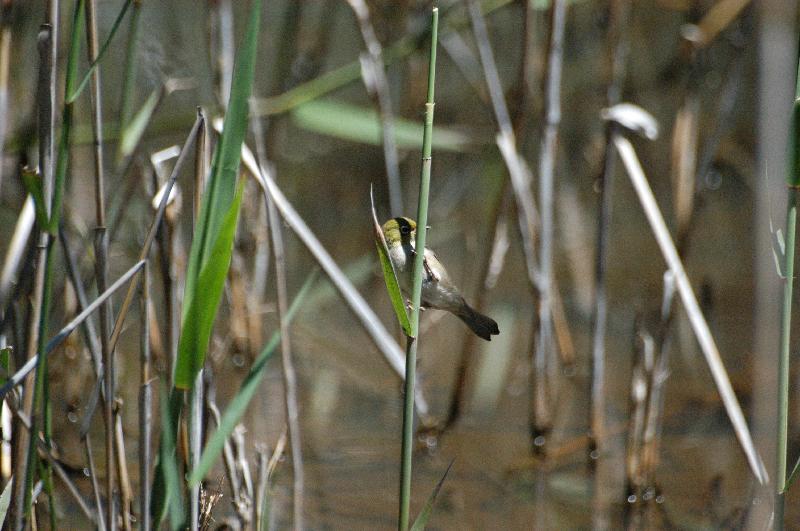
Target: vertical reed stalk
416, 294
5, 66
618, 51
783, 361
792, 184
101, 253
506, 127
24, 455
145, 402
126, 492
544, 348
289, 373
195, 445
197, 400
222, 48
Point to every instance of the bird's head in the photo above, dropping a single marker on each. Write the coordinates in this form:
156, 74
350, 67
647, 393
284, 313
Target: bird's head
399, 231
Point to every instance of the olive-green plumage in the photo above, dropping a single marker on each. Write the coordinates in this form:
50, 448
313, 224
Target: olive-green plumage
438, 291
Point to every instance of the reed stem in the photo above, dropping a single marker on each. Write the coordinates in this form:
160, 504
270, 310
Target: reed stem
416, 294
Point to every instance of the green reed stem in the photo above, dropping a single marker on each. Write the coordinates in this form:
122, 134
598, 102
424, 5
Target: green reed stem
792, 182
416, 296
783, 362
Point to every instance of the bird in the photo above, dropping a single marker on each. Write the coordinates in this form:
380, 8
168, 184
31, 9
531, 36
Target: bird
438, 290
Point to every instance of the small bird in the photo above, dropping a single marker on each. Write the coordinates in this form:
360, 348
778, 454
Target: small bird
438, 291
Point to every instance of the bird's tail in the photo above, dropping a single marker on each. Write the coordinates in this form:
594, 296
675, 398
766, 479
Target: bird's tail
484, 327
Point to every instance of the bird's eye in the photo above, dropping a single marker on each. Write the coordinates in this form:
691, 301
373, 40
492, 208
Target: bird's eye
405, 229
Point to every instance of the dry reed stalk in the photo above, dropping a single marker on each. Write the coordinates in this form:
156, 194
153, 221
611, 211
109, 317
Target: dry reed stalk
291, 406
374, 76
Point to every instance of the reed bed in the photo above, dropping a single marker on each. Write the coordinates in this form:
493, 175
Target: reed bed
195, 332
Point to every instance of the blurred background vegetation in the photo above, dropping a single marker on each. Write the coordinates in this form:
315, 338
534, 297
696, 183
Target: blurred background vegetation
318, 114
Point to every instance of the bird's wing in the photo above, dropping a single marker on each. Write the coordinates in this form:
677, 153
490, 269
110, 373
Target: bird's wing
433, 267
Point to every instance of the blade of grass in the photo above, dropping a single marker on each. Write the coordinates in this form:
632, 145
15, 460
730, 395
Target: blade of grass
134, 128
793, 475
247, 390
168, 464
129, 79
425, 514
416, 293
73, 95
216, 205
201, 309
343, 75
360, 124
389, 274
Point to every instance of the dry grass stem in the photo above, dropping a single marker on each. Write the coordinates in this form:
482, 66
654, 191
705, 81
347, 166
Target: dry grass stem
696, 318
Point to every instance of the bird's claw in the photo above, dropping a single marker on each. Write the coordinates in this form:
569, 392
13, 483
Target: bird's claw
410, 306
